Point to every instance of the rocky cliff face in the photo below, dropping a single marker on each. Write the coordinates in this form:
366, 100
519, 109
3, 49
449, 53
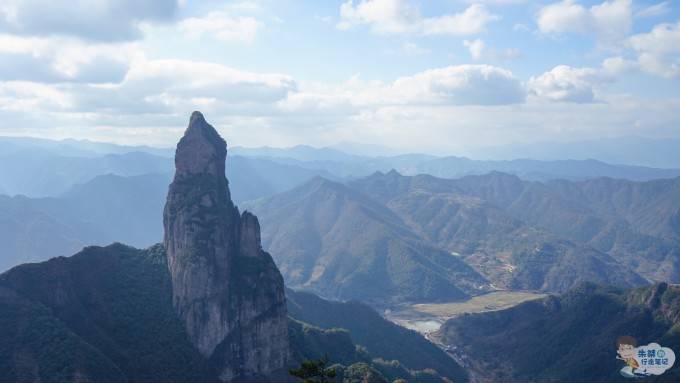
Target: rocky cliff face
226, 289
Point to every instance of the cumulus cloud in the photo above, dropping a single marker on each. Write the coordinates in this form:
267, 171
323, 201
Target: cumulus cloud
476, 48
441, 87
318, 103
85, 74
25, 67
462, 85
23, 96
610, 21
164, 86
222, 26
455, 130
563, 17
616, 66
154, 89
401, 17
567, 84
468, 104
53, 59
103, 20
472, 20
658, 52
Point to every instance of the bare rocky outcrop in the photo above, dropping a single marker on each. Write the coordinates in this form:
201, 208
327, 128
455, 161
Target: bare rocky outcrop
226, 289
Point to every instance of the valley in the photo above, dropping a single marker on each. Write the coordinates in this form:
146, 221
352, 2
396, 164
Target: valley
427, 318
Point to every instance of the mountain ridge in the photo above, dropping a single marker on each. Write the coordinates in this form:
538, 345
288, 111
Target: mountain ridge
308, 229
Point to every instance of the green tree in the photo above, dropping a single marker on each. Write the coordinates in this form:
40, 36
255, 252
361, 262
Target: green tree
314, 371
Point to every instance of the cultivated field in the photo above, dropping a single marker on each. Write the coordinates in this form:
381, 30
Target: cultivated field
497, 300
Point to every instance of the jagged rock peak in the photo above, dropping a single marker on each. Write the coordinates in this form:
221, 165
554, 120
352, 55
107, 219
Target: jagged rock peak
201, 149
226, 289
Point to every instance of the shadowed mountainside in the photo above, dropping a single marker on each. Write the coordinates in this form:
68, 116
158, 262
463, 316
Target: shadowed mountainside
111, 207
571, 337
387, 232
635, 222
504, 248
106, 314
344, 245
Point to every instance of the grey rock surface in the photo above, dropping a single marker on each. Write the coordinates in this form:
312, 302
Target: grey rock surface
226, 289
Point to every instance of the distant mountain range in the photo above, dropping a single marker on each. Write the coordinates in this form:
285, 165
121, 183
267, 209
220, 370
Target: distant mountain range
37, 172
353, 166
629, 150
107, 209
75, 148
343, 245
46, 175
47, 168
636, 223
110, 208
626, 150
424, 238
509, 251
383, 238
490, 231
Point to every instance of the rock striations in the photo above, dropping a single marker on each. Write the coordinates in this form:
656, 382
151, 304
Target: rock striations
226, 289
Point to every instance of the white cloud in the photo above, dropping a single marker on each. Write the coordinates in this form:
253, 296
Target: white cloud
566, 84
55, 83
154, 89
56, 59
384, 16
658, 52
23, 96
461, 85
433, 109
476, 48
454, 129
222, 26
444, 87
610, 21
164, 86
479, 51
616, 66
316, 103
401, 17
563, 17
102, 20
655, 10
471, 21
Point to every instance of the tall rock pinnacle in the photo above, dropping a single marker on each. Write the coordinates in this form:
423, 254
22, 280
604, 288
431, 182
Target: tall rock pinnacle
226, 289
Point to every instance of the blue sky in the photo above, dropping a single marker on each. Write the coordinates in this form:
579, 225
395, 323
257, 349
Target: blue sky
436, 75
